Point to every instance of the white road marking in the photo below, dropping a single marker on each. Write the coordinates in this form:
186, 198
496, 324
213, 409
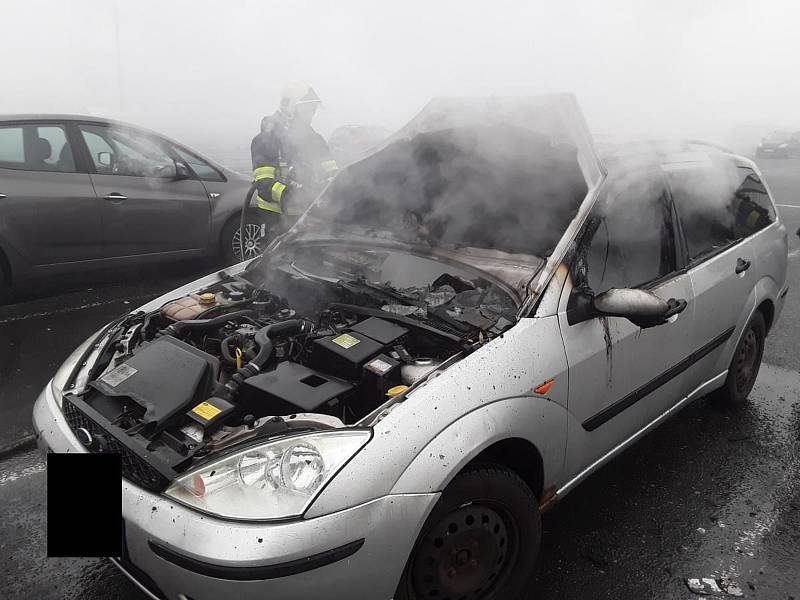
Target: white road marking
750, 540
11, 476
787, 206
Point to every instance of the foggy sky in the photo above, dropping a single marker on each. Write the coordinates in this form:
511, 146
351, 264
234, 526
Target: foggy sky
206, 72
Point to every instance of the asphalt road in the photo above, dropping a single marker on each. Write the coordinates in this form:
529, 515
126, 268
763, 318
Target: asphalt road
712, 493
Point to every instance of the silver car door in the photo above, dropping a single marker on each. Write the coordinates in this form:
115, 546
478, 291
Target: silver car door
49, 213
716, 225
621, 377
147, 206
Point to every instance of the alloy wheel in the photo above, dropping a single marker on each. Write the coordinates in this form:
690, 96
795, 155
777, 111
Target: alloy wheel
252, 241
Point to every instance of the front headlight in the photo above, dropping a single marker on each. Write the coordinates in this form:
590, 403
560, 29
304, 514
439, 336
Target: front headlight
276, 480
61, 378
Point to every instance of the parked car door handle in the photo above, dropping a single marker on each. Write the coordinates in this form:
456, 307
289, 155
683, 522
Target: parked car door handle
742, 265
2, 196
116, 196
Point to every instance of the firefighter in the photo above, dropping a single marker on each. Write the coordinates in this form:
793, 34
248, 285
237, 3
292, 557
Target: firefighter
291, 161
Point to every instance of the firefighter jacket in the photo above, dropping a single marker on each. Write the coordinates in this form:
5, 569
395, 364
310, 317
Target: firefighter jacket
291, 164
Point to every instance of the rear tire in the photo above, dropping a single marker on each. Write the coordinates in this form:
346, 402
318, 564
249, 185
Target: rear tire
480, 542
745, 364
258, 228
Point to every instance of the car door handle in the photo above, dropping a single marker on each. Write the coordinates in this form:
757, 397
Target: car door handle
2, 196
116, 196
742, 265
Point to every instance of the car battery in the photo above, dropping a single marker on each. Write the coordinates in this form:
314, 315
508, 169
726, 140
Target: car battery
344, 354
379, 375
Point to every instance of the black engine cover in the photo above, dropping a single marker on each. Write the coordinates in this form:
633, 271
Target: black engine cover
291, 388
164, 378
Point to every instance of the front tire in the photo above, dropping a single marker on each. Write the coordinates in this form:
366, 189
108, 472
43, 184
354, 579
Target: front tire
745, 364
480, 542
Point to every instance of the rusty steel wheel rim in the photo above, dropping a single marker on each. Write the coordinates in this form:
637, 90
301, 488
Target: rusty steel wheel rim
467, 555
747, 360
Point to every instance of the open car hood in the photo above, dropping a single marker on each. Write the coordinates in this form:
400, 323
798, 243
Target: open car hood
506, 175
556, 116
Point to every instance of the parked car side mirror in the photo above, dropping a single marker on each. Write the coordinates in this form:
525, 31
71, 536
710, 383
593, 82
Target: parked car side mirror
105, 159
181, 171
641, 307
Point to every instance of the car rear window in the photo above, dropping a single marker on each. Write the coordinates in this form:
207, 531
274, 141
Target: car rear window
33, 147
717, 207
12, 149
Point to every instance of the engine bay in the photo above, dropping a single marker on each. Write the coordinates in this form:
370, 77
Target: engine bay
270, 351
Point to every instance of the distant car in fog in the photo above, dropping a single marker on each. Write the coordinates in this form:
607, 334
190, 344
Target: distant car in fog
79, 192
779, 144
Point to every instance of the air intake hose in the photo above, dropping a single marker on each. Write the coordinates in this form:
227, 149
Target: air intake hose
266, 349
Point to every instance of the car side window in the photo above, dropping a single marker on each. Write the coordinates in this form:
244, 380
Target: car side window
32, 147
120, 151
203, 170
629, 242
12, 148
718, 207
750, 204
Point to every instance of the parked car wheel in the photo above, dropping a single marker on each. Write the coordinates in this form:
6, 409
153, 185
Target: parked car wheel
257, 230
479, 542
745, 364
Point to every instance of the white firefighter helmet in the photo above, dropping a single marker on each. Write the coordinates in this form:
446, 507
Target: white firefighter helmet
296, 93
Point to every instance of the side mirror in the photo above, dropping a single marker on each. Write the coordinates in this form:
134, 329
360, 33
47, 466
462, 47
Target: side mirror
181, 171
641, 307
105, 159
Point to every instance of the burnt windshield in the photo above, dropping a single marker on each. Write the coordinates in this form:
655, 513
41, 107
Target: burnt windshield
498, 187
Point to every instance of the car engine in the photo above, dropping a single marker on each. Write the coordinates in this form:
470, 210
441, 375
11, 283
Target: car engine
235, 362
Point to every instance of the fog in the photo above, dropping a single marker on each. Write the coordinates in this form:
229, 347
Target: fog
206, 72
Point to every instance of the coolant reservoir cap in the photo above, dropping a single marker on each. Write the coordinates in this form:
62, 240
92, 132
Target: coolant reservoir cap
396, 390
207, 298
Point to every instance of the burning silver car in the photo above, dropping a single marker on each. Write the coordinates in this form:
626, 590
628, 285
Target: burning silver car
461, 328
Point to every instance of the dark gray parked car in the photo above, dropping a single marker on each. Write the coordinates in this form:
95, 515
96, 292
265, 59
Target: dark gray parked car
79, 192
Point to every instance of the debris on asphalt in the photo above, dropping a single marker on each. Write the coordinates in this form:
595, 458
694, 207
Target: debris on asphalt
704, 586
708, 586
701, 530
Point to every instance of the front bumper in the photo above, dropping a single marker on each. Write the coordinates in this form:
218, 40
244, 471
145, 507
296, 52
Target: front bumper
177, 553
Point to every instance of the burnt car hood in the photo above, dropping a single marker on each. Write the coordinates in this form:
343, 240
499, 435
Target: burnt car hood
492, 182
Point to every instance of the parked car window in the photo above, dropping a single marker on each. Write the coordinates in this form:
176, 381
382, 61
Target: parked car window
632, 242
119, 151
12, 148
719, 207
60, 158
32, 147
198, 165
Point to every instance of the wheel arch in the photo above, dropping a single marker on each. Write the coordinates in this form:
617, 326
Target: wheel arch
525, 434
767, 308
519, 455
